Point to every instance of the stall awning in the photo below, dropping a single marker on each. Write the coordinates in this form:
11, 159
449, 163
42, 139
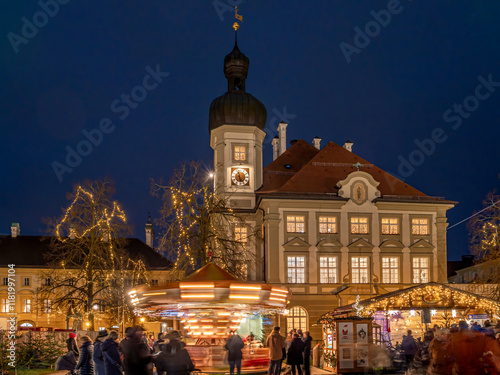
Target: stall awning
430, 295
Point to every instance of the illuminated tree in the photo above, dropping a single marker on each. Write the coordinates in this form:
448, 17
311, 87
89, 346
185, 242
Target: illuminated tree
89, 267
484, 230
199, 226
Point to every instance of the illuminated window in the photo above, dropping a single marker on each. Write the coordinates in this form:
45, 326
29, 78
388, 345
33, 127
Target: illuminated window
5, 305
390, 270
328, 270
295, 224
420, 227
421, 270
390, 226
240, 233
26, 281
47, 306
359, 225
26, 305
297, 318
327, 224
240, 153
296, 270
359, 270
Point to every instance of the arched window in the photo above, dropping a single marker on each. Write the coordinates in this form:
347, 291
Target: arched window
297, 318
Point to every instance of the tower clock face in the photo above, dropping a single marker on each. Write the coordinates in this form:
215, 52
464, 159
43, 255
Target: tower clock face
240, 176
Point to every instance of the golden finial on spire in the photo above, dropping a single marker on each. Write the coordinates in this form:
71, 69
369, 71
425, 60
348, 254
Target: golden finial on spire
236, 25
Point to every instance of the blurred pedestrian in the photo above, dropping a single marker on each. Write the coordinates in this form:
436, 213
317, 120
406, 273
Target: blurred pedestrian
85, 363
466, 350
423, 354
136, 354
276, 344
307, 340
97, 355
409, 346
112, 360
440, 357
158, 343
294, 356
234, 345
174, 359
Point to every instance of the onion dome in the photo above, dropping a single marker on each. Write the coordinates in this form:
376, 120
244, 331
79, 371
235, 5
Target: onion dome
236, 106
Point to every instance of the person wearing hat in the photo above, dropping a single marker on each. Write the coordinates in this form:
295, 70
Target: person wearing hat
136, 354
174, 359
111, 354
98, 355
71, 344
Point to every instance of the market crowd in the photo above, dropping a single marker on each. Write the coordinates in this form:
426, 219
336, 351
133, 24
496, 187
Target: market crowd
136, 354
460, 350
296, 349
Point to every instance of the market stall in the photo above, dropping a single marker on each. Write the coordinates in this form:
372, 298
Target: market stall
419, 308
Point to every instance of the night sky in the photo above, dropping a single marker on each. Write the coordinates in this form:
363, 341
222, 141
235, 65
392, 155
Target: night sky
416, 77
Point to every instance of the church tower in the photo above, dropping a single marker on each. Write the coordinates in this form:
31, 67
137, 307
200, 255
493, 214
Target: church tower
236, 125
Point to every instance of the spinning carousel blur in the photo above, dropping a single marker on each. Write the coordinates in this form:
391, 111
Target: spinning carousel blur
210, 304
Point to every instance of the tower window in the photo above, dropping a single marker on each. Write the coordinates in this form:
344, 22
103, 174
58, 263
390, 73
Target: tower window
240, 233
240, 153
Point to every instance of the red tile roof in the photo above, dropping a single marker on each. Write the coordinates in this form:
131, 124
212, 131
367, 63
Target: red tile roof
313, 171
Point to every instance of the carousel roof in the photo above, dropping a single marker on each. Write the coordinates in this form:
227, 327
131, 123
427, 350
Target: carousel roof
430, 295
210, 302
209, 287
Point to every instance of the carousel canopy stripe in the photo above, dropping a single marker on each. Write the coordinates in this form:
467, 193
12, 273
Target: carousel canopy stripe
430, 295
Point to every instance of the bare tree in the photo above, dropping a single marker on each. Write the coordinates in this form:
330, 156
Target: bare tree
199, 226
89, 267
484, 228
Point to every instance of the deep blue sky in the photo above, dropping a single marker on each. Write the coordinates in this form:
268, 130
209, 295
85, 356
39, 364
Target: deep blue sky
395, 90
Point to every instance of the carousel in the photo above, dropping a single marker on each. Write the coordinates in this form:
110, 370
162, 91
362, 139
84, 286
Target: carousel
210, 304
418, 308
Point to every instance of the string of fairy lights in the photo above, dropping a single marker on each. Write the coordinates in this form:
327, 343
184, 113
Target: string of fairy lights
104, 219
438, 295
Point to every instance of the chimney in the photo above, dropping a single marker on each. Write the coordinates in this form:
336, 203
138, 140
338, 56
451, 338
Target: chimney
15, 230
72, 231
348, 145
276, 147
149, 232
316, 142
282, 132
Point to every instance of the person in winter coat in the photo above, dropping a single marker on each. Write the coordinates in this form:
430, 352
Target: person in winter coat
97, 356
440, 356
409, 346
71, 345
136, 354
423, 352
307, 340
466, 350
174, 358
112, 361
85, 363
234, 345
158, 343
276, 344
294, 356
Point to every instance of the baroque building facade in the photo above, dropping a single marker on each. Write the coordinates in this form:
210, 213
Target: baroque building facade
334, 226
